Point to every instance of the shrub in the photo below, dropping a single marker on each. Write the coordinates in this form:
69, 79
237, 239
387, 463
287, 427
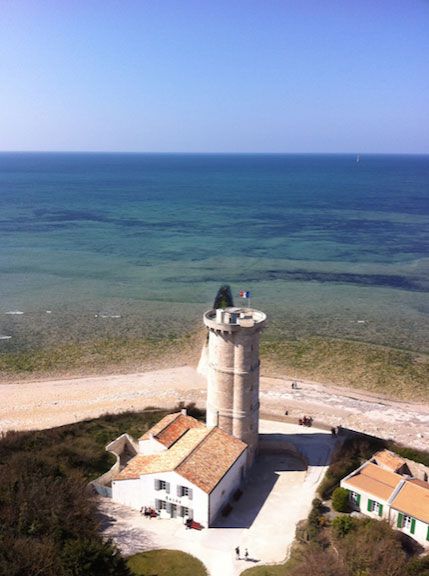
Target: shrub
342, 525
340, 500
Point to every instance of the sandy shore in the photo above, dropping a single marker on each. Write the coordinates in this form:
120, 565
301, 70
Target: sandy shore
49, 403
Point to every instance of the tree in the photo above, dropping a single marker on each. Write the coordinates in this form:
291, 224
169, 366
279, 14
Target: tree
93, 558
340, 500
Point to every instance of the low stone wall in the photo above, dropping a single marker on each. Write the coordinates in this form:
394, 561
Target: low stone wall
278, 446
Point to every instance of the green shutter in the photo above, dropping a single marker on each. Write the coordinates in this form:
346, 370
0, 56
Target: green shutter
358, 499
427, 535
413, 525
369, 505
380, 510
400, 521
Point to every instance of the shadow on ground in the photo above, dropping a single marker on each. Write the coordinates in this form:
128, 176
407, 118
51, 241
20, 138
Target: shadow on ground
264, 475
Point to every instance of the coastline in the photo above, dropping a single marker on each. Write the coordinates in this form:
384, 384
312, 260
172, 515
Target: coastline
346, 364
49, 403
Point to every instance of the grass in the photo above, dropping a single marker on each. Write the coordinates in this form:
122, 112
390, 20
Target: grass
398, 374
81, 445
271, 569
165, 563
394, 373
99, 356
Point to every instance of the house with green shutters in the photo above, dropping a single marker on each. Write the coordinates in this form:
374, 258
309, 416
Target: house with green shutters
391, 494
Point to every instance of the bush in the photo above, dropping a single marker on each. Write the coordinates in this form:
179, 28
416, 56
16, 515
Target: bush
340, 500
48, 521
342, 525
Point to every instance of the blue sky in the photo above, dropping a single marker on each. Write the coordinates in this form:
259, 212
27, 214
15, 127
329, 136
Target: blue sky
215, 76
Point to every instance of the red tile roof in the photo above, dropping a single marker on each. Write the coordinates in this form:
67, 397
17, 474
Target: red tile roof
389, 460
201, 455
171, 428
374, 480
413, 500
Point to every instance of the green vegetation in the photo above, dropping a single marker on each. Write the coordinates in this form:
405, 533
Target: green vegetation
340, 500
348, 546
166, 563
395, 373
354, 451
347, 457
100, 356
398, 374
270, 570
48, 520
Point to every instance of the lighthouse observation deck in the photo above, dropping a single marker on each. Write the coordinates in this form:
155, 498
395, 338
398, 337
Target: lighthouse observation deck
234, 319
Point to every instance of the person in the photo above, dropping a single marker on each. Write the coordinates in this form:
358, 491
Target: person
333, 431
286, 412
237, 553
246, 555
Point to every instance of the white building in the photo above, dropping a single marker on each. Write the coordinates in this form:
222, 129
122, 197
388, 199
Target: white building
182, 469
383, 488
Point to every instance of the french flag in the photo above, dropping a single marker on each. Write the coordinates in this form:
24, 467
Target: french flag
244, 294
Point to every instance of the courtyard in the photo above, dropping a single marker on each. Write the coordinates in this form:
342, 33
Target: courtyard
277, 495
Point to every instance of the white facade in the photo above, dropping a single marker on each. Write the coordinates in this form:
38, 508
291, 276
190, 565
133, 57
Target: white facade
414, 527
174, 496
376, 507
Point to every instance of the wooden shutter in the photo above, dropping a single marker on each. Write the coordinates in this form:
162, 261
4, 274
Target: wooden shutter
380, 509
157, 484
413, 525
179, 491
358, 499
157, 504
369, 507
167, 487
190, 493
400, 520
427, 535
168, 507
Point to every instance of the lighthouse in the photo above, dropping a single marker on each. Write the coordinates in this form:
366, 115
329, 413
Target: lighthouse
233, 372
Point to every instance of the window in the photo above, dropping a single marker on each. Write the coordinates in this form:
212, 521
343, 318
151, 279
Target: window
162, 504
184, 511
184, 491
375, 507
355, 498
162, 485
406, 522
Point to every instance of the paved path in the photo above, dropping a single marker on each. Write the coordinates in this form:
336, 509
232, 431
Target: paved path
278, 495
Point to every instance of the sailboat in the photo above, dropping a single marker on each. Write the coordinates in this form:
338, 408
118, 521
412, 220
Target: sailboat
358, 158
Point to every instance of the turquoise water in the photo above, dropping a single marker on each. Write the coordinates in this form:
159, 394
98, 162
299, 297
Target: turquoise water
135, 244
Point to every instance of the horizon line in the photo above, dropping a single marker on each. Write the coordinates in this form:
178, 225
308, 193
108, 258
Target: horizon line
229, 153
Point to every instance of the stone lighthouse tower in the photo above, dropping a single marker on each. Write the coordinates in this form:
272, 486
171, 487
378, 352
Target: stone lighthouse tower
233, 372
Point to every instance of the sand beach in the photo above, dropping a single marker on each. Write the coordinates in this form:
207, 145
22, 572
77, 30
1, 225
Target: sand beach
53, 402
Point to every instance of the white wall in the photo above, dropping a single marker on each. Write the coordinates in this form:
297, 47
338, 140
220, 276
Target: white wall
363, 506
141, 492
223, 492
390, 514
129, 493
150, 446
421, 528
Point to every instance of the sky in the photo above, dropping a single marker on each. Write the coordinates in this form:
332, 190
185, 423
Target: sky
215, 75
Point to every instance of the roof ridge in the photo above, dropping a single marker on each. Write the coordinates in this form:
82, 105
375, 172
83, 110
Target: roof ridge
210, 431
177, 414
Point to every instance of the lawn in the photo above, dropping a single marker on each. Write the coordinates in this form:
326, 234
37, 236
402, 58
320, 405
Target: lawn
166, 563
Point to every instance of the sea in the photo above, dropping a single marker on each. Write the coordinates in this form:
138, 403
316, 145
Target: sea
137, 245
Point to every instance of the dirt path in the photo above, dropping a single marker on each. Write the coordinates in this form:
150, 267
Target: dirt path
44, 404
